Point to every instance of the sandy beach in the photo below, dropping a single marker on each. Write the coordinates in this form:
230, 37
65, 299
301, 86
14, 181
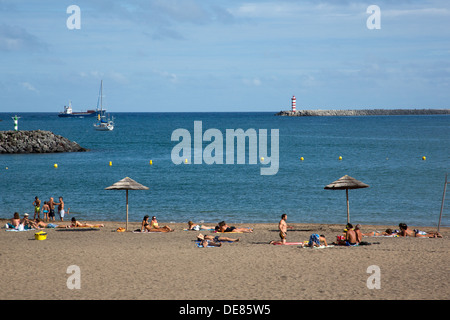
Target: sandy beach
169, 266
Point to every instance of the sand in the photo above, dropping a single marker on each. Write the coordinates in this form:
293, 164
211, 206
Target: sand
169, 266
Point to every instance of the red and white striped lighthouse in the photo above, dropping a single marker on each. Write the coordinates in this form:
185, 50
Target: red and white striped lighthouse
293, 103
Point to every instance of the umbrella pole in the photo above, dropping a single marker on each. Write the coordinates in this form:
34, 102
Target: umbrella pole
126, 226
348, 208
442, 204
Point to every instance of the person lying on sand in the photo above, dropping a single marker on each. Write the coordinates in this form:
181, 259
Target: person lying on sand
407, 232
197, 227
39, 224
387, 233
223, 227
202, 237
146, 227
77, 224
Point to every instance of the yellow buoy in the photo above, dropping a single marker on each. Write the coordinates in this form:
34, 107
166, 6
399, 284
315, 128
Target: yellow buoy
340, 158
185, 160
110, 163
55, 165
151, 162
301, 158
424, 158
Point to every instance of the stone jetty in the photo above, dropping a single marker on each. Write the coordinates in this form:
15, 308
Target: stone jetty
362, 112
36, 141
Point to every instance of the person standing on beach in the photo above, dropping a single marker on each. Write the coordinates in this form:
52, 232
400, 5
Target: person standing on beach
51, 206
45, 211
61, 211
37, 207
282, 226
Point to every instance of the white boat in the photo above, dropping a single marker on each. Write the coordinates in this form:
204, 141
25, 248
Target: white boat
103, 123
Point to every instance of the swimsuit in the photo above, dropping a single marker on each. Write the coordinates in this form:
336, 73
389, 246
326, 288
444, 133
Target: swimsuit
282, 235
347, 243
229, 229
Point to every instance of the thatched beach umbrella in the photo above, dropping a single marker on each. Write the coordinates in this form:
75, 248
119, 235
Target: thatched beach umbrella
346, 182
127, 184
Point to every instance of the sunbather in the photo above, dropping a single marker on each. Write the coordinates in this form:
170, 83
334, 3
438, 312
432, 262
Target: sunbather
77, 224
316, 240
202, 237
198, 227
405, 231
15, 220
223, 227
387, 232
41, 224
145, 226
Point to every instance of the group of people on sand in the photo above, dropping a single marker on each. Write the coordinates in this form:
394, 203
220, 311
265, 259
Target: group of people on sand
352, 236
153, 225
48, 209
27, 224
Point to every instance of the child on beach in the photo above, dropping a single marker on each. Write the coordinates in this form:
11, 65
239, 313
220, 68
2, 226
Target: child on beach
45, 211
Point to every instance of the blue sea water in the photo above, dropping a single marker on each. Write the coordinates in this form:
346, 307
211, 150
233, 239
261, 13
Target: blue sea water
383, 151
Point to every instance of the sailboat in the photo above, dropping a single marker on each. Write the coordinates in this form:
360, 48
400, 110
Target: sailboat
103, 123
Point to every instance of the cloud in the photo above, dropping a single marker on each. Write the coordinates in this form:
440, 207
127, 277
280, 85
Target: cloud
29, 87
14, 38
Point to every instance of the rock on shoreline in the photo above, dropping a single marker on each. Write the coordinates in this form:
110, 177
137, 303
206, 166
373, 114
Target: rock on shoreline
363, 112
36, 141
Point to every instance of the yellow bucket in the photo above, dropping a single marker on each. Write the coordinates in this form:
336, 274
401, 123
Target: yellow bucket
41, 235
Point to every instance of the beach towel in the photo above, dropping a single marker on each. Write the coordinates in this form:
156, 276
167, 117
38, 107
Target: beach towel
20, 227
320, 247
288, 243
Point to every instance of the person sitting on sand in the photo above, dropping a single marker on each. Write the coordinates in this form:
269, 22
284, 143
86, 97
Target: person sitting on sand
197, 227
407, 232
351, 238
316, 240
358, 233
202, 237
145, 226
223, 227
15, 220
154, 225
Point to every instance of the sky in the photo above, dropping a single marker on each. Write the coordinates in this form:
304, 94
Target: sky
223, 56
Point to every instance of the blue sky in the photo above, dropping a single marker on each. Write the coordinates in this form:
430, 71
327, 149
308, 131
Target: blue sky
206, 55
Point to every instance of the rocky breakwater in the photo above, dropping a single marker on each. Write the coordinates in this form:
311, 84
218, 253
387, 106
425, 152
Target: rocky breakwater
362, 112
36, 141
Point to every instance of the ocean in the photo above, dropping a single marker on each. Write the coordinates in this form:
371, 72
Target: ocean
385, 152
